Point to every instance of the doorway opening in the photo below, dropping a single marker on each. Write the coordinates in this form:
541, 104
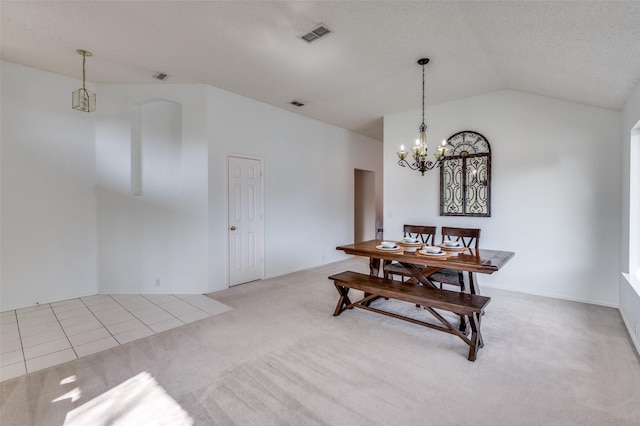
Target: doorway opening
364, 223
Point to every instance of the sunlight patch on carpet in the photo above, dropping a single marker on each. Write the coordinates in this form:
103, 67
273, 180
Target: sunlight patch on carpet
139, 400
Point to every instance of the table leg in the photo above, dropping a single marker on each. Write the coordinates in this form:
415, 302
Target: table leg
374, 266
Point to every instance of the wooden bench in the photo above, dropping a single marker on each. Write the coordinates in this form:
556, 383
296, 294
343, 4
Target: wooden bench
468, 306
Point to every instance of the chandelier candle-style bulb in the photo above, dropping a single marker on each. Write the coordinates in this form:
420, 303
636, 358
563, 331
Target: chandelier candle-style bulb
441, 151
402, 154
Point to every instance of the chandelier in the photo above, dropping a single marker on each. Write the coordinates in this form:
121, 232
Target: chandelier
419, 150
83, 99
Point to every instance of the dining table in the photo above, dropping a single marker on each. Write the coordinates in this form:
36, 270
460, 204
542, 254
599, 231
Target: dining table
421, 266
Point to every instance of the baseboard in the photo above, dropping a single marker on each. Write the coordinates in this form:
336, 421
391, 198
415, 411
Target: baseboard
551, 295
631, 332
169, 291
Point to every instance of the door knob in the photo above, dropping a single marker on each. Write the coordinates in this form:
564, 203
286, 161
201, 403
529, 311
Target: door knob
233, 228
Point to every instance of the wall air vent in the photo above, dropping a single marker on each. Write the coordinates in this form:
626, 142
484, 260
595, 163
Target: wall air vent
160, 75
315, 34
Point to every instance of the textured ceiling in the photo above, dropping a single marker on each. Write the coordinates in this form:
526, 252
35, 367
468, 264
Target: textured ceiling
584, 51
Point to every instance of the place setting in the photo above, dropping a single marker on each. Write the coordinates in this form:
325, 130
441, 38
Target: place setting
410, 244
452, 246
390, 246
433, 251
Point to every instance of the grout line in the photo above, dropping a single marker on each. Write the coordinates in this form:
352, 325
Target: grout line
24, 357
98, 319
179, 298
132, 314
64, 332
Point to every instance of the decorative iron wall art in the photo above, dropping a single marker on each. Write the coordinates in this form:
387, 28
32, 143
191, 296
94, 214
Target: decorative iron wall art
465, 176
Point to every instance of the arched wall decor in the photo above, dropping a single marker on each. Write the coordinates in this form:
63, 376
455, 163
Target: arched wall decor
465, 176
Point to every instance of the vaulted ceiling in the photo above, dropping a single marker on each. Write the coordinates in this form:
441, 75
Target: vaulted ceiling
581, 51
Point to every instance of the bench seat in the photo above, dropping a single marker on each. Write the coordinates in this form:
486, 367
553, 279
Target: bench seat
468, 306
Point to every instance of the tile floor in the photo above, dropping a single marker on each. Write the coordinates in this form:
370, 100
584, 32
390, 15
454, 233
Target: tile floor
49, 334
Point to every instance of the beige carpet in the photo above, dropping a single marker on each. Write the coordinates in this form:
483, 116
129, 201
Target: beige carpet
280, 357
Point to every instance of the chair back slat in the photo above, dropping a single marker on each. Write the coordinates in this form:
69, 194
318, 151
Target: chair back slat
469, 237
426, 234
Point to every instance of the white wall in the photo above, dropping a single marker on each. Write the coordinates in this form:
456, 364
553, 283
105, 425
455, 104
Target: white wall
156, 235
309, 182
629, 288
71, 226
556, 191
48, 203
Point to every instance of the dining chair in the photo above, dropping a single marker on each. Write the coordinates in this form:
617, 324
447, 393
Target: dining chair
469, 237
425, 234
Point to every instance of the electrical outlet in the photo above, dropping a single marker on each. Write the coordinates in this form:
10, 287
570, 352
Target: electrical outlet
157, 282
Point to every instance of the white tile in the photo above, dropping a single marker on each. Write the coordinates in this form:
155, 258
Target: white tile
152, 309
132, 335
67, 305
10, 345
120, 297
8, 332
12, 357
89, 336
9, 319
159, 298
105, 307
166, 325
38, 339
46, 348
33, 308
38, 329
12, 371
154, 316
177, 307
50, 360
96, 346
121, 327
7, 314
33, 322
113, 310
135, 305
204, 303
82, 328
79, 319
193, 316
73, 313
98, 299
112, 319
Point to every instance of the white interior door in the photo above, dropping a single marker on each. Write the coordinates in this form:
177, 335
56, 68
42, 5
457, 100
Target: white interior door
246, 220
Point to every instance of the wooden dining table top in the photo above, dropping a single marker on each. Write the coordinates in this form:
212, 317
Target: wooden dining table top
483, 261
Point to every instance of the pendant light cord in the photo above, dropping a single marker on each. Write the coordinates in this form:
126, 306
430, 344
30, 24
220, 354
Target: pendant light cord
84, 58
423, 95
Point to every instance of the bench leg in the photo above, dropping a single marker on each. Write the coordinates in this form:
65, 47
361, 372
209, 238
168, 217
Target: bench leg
343, 300
476, 337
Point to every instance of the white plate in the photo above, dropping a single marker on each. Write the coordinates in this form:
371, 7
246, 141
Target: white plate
451, 245
432, 249
380, 247
442, 253
416, 243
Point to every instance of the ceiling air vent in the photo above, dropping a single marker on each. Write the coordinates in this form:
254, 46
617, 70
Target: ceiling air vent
315, 34
296, 103
160, 75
